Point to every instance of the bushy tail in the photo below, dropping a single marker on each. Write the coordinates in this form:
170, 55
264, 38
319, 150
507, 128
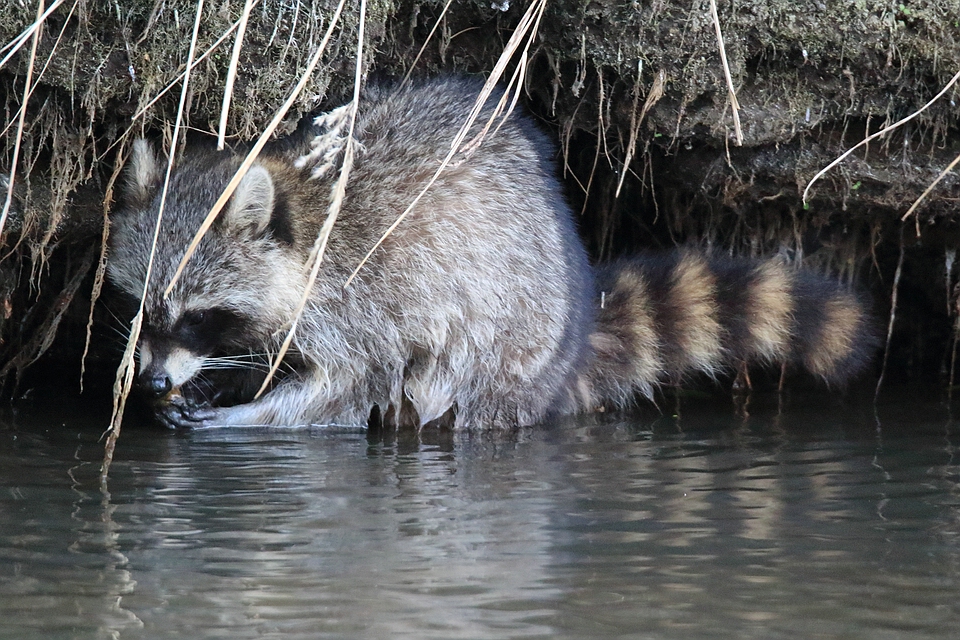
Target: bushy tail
662, 318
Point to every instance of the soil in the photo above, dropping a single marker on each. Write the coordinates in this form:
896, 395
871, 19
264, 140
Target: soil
635, 93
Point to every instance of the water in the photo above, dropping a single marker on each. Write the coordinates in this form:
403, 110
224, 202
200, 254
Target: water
805, 522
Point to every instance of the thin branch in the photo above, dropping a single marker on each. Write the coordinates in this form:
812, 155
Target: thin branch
124, 381
879, 133
232, 72
255, 151
734, 104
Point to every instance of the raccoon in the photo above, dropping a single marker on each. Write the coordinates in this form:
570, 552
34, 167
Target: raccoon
481, 309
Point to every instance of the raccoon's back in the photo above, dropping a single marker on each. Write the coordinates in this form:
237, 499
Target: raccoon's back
480, 298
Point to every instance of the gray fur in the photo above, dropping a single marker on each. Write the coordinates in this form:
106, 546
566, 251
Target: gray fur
478, 302
480, 305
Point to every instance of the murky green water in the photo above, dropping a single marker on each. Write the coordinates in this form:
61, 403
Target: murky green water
805, 523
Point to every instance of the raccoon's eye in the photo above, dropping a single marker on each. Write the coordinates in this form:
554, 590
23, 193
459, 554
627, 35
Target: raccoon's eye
194, 319
206, 329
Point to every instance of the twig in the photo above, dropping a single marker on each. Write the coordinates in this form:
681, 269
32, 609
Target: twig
879, 133
339, 191
413, 65
124, 381
27, 89
255, 151
232, 72
530, 18
734, 104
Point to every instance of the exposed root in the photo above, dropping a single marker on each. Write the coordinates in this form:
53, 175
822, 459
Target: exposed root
879, 133
893, 315
926, 192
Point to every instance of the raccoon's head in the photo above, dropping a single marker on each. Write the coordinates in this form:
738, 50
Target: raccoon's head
238, 290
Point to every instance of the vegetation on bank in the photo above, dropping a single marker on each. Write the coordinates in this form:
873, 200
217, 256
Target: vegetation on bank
634, 92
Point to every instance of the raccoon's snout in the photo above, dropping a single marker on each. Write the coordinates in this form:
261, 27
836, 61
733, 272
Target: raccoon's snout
165, 367
156, 383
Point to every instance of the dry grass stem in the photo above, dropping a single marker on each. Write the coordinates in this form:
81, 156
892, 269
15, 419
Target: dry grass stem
734, 104
653, 96
124, 380
530, 19
198, 60
21, 123
893, 315
232, 72
926, 192
879, 133
17, 43
339, 191
255, 151
101, 265
436, 24
46, 64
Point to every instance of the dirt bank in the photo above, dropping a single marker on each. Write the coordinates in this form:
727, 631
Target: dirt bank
634, 92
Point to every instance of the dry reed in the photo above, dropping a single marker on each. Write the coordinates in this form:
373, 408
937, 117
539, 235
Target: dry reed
232, 71
255, 151
734, 103
17, 43
21, 122
339, 191
528, 25
124, 381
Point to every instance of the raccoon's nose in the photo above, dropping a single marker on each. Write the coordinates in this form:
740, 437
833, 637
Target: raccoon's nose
156, 383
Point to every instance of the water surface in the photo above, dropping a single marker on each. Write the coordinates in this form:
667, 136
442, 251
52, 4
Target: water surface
814, 520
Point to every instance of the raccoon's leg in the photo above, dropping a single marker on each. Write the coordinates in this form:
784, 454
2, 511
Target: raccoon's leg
293, 403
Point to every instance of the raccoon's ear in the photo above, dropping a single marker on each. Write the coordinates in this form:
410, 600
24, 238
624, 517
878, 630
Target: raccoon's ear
251, 206
143, 175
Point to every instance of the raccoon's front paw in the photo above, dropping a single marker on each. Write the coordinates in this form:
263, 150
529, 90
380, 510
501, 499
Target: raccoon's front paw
180, 413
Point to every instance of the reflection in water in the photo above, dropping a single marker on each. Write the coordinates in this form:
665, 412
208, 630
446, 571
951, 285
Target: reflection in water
802, 524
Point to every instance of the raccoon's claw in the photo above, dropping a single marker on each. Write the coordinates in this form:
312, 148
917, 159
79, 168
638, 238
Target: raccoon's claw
180, 413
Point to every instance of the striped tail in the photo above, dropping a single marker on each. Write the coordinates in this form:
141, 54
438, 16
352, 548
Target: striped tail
663, 318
